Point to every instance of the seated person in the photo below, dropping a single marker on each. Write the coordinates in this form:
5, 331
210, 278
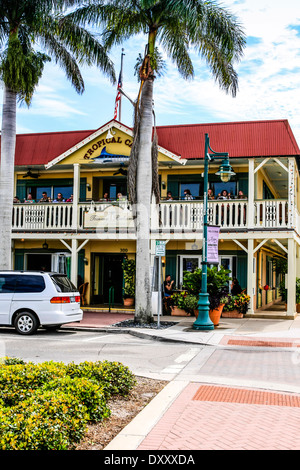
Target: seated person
29, 199
168, 286
187, 195
167, 292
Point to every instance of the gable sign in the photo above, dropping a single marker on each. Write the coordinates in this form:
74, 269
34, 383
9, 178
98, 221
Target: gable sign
106, 157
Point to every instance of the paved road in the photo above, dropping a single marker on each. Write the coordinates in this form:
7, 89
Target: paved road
273, 368
145, 357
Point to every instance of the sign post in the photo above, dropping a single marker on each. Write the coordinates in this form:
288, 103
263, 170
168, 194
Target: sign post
160, 250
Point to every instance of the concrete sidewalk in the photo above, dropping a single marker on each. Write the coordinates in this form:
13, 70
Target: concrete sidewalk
189, 414
246, 329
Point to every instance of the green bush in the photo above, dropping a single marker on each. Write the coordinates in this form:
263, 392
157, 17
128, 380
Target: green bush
47, 406
114, 376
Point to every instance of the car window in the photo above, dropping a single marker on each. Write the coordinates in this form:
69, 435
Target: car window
63, 284
7, 283
32, 283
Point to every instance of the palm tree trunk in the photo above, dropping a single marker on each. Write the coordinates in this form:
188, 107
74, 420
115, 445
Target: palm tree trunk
143, 310
8, 145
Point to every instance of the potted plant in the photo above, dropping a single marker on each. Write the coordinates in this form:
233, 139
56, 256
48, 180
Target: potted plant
230, 309
217, 288
129, 282
191, 304
178, 304
241, 302
298, 295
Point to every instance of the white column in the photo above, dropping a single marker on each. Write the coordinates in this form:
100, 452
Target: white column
291, 278
74, 262
250, 276
250, 192
76, 192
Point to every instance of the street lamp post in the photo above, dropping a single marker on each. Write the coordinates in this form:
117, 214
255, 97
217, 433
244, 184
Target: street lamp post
203, 322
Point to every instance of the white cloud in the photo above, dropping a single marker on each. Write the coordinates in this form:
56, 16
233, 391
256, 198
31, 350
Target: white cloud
268, 80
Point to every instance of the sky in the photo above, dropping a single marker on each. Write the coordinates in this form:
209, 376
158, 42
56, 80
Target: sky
269, 81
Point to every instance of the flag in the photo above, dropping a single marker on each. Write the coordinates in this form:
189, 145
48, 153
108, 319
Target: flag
118, 97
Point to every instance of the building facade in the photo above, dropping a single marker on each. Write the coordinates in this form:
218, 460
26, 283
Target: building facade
88, 234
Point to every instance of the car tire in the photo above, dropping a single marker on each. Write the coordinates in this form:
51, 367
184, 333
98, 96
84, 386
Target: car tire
26, 323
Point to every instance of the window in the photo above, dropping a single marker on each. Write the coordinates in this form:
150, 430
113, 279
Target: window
7, 283
193, 187
29, 283
63, 284
218, 187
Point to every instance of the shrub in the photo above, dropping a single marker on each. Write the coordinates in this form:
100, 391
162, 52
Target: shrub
115, 378
47, 406
45, 421
90, 394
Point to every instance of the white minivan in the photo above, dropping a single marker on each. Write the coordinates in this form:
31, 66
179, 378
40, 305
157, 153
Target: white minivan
30, 299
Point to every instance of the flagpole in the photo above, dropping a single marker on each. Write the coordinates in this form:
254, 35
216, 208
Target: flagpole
121, 75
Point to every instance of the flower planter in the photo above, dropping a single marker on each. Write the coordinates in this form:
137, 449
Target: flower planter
179, 312
232, 314
215, 314
128, 302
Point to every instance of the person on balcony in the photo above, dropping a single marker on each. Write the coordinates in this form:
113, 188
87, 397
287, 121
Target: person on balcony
29, 199
45, 197
59, 198
16, 200
169, 196
105, 197
223, 195
120, 197
241, 195
70, 199
210, 194
187, 195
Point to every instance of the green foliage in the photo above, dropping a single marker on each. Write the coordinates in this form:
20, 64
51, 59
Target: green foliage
158, 65
217, 283
297, 290
185, 301
21, 69
128, 266
178, 299
48, 406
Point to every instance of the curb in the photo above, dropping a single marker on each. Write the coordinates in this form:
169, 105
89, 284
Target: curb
135, 432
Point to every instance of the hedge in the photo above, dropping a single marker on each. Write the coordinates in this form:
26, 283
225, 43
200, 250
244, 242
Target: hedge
48, 406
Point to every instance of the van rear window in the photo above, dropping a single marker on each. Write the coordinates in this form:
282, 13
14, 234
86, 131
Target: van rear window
63, 284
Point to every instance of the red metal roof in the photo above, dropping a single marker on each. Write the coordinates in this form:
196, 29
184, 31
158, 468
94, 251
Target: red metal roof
39, 149
239, 139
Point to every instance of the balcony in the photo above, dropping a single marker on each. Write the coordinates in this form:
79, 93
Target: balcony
171, 216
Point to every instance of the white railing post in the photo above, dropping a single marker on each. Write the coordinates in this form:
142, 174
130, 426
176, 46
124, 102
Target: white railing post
76, 190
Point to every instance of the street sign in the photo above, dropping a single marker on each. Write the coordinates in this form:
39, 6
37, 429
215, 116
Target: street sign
160, 248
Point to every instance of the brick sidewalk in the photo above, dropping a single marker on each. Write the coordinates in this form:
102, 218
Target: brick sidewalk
208, 417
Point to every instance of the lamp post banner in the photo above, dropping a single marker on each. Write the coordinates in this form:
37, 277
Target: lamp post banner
212, 244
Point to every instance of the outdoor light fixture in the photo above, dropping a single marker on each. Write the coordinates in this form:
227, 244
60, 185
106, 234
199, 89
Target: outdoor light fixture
225, 171
203, 321
110, 134
45, 245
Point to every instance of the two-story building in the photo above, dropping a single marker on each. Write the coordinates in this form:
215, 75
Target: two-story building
89, 233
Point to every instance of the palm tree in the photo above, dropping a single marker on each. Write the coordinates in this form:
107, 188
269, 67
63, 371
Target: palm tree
26, 25
177, 26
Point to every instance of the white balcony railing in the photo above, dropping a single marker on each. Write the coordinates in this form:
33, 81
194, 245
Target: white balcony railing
172, 215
